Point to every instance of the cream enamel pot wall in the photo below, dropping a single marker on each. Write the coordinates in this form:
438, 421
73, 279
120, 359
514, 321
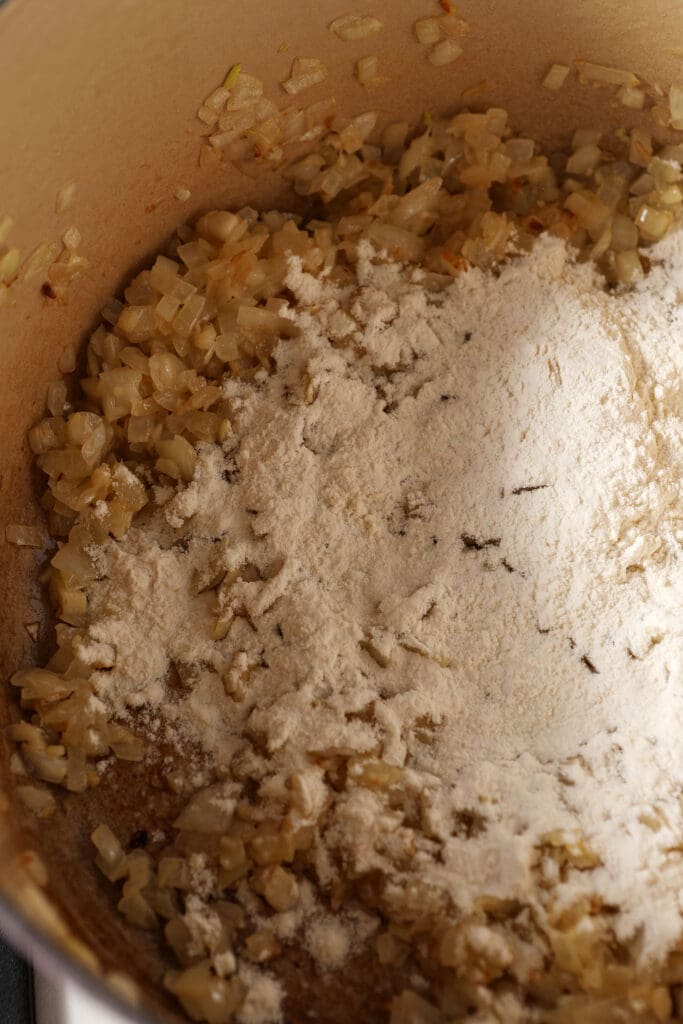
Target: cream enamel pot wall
105, 94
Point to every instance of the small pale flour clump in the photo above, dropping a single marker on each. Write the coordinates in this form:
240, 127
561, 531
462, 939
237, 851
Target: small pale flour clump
442, 546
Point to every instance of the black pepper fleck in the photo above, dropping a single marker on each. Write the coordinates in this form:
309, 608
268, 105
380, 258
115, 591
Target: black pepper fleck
139, 839
528, 489
471, 543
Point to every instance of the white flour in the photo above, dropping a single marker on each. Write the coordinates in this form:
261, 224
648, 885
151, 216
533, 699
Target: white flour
462, 523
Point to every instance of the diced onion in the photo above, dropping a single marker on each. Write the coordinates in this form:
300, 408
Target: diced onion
39, 259
71, 238
9, 265
56, 397
584, 160
631, 96
24, 536
306, 72
640, 149
355, 26
444, 53
217, 99
653, 224
603, 75
629, 267
676, 106
207, 116
367, 72
624, 233
65, 197
67, 359
556, 77
590, 211
428, 31
40, 801
179, 453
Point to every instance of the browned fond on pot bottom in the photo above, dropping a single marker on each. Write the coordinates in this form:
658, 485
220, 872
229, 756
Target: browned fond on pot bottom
105, 94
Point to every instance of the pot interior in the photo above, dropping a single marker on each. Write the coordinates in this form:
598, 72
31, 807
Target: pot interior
105, 94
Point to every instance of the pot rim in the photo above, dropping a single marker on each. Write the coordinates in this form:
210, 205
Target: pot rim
50, 958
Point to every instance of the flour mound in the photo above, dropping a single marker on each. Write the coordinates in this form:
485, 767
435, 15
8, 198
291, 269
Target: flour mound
451, 526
